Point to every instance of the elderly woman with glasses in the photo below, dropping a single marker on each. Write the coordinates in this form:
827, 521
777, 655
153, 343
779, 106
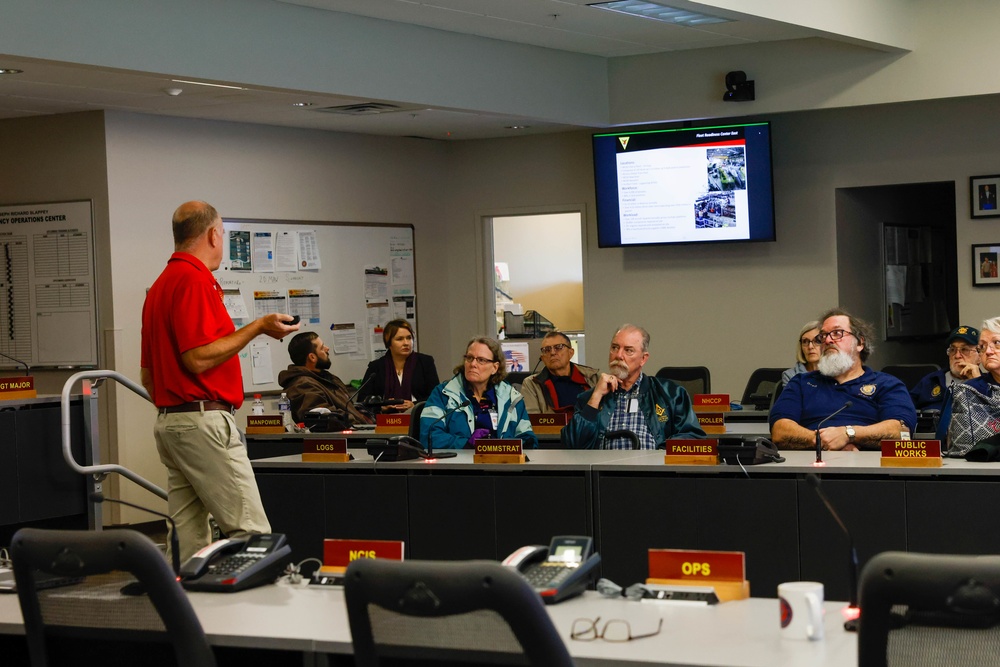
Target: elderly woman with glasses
557, 386
807, 352
476, 403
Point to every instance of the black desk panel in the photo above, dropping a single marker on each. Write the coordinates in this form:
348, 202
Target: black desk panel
874, 510
452, 517
758, 516
9, 513
953, 516
47, 487
531, 509
295, 505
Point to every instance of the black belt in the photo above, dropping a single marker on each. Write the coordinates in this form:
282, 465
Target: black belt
198, 406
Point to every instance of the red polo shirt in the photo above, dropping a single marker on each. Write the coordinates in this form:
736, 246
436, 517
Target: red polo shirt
184, 310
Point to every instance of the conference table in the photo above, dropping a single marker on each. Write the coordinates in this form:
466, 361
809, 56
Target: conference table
312, 621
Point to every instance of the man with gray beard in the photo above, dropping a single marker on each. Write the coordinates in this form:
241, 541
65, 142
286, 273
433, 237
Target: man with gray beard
880, 406
624, 399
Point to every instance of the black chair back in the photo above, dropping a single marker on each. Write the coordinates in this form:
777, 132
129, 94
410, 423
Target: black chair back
414, 431
517, 378
910, 374
475, 611
95, 609
695, 379
928, 609
761, 387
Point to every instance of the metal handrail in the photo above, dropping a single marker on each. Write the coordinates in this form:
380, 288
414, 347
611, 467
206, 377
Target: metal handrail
100, 471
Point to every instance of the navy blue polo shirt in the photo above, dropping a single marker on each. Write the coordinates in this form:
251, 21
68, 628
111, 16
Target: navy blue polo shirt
928, 394
809, 398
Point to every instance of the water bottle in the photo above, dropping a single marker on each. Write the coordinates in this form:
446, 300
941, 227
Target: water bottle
285, 408
258, 405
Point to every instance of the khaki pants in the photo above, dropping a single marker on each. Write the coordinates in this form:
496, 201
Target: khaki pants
208, 472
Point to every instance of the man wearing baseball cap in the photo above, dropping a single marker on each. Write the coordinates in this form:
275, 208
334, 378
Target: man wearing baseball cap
963, 364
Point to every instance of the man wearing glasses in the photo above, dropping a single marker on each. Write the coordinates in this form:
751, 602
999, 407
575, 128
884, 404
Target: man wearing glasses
963, 364
878, 406
559, 384
627, 400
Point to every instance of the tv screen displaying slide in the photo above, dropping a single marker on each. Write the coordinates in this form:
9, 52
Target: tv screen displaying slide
690, 185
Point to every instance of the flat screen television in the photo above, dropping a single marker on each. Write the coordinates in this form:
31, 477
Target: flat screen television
689, 185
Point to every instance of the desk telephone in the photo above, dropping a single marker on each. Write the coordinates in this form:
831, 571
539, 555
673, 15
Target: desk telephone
236, 563
560, 571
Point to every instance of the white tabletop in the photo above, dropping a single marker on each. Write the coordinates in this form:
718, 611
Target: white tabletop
742, 634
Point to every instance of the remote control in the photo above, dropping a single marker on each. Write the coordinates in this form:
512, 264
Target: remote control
292, 322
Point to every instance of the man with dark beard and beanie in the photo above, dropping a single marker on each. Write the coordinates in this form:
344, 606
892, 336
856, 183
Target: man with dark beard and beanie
310, 384
880, 408
625, 399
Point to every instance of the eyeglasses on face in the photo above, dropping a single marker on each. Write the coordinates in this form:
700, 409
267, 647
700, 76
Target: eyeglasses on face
985, 345
833, 336
558, 347
613, 630
482, 361
806, 342
962, 351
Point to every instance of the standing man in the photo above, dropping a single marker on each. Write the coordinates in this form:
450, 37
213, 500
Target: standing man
963, 364
310, 384
626, 399
880, 407
192, 373
559, 384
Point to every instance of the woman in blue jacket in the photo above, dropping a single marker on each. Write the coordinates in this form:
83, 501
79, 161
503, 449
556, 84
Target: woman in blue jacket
476, 403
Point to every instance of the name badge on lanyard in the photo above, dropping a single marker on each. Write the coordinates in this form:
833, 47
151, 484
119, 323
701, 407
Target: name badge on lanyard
494, 418
633, 405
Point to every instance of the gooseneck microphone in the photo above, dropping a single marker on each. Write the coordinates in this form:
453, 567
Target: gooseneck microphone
350, 400
430, 447
175, 549
27, 369
819, 443
852, 566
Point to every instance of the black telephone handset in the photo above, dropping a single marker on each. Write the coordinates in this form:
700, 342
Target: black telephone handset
236, 564
563, 570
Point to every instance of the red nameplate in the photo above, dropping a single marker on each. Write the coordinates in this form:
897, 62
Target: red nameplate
911, 453
499, 450
389, 423
330, 450
697, 565
692, 447
18, 387
710, 402
549, 419
340, 553
712, 422
263, 424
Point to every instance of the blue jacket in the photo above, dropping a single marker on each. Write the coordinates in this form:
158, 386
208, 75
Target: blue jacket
454, 431
929, 393
665, 405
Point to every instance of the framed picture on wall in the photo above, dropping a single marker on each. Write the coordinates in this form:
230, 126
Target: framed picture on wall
983, 196
984, 265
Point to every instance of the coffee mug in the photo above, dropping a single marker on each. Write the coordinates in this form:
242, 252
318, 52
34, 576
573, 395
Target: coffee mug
801, 609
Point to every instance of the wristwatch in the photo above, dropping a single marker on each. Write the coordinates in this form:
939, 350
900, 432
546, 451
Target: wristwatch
850, 433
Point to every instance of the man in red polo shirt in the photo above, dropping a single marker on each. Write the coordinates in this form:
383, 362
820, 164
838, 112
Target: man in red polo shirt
192, 373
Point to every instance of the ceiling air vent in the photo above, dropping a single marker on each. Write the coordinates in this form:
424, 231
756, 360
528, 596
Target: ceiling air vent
363, 109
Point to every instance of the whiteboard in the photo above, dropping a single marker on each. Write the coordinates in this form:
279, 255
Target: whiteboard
345, 281
48, 295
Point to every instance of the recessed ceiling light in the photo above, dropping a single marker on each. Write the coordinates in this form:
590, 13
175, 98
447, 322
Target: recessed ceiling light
212, 85
516, 127
7, 70
303, 104
659, 12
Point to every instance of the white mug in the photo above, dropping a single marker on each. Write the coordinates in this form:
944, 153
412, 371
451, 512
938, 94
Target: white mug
801, 609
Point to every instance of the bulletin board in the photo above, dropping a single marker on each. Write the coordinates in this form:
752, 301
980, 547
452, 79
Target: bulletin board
48, 293
345, 281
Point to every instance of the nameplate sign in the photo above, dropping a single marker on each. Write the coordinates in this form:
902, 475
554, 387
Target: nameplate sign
389, 423
548, 423
725, 571
264, 424
911, 453
338, 554
712, 422
691, 452
331, 450
710, 402
17, 388
499, 450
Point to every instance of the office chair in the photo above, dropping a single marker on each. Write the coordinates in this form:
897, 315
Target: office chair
95, 612
696, 379
414, 431
928, 609
624, 433
517, 378
910, 374
477, 611
761, 387
777, 392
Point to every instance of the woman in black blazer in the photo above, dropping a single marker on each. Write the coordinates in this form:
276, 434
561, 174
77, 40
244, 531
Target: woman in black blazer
401, 373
